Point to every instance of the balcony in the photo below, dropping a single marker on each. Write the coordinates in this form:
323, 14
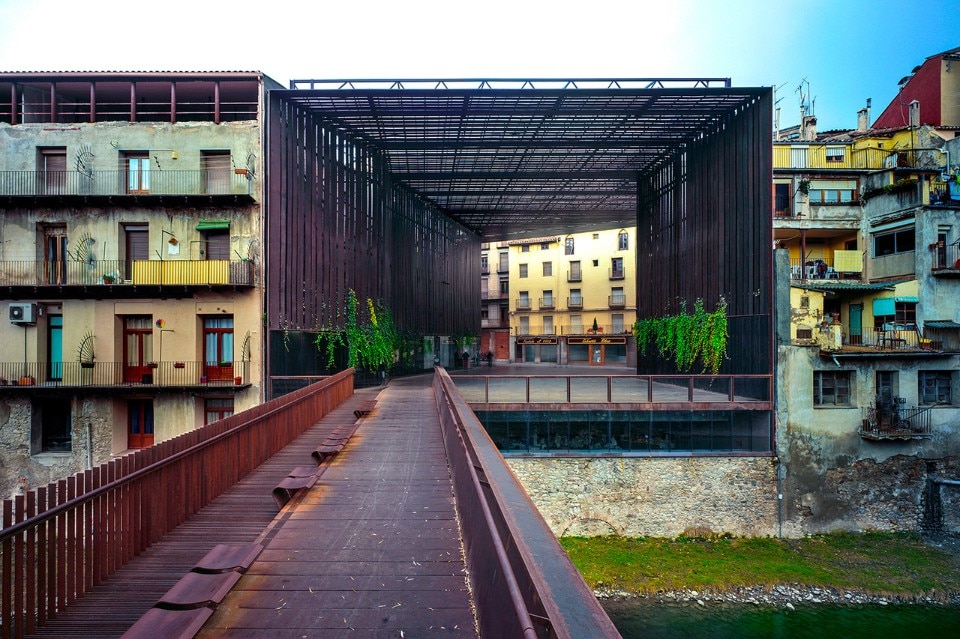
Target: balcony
844, 265
575, 303
893, 420
118, 276
20, 376
523, 304
617, 301
574, 276
546, 303
616, 274
190, 186
946, 262
819, 156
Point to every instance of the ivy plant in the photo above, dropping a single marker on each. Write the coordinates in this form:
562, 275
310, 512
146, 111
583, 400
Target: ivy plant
371, 342
687, 337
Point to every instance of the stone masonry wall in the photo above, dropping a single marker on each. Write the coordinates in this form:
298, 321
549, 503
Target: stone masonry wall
658, 497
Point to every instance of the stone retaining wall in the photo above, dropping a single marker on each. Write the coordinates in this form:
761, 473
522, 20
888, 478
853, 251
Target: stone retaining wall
659, 497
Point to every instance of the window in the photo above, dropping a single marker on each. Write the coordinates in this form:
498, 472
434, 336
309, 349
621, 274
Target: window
524, 326
504, 262
617, 319
55, 254
51, 426
781, 197
886, 386
140, 432
617, 297
218, 348
215, 166
804, 332
523, 270
524, 300
576, 324
832, 191
904, 314
216, 243
484, 268
525, 248
547, 269
596, 262
504, 286
548, 325
548, 299
568, 246
52, 163
805, 301
935, 387
137, 167
831, 388
596, 236
623, 241
574, 275
616, 268
896, 242
217, 408
137, 349
834, 153
136, 246
576, 297
544, 246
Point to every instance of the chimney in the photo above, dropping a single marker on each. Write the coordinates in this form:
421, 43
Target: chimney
915, 114
862, 124
810, 128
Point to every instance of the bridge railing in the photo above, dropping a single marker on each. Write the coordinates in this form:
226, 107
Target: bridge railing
523, 581
61, 540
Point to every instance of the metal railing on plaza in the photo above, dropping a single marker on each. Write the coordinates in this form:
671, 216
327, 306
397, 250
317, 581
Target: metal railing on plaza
126, 273
61, 540
724, 391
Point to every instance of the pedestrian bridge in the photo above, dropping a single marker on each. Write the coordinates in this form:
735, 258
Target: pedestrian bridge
326, 512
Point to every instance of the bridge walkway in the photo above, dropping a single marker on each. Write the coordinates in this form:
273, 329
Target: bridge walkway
237, 517
373, 549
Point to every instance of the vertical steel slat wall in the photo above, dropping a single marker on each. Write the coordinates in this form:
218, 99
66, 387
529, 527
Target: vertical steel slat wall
336, 221
704, 230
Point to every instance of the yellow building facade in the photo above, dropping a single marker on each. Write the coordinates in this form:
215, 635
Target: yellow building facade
572, 299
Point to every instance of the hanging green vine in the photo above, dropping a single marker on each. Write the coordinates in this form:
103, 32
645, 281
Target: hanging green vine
685, 338
370, 345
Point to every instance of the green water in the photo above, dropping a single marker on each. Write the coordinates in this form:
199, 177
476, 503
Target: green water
820, 621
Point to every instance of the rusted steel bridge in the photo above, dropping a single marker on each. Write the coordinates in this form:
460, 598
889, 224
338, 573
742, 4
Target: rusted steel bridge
397, 517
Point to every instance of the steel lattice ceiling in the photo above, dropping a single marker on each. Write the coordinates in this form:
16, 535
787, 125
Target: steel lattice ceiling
509, 162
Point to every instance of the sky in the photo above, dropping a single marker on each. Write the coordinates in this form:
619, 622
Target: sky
840, 51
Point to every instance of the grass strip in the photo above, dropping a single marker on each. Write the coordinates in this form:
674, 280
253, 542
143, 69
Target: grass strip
874, 563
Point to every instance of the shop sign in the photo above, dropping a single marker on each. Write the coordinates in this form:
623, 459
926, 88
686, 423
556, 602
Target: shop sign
596, 340
527, 341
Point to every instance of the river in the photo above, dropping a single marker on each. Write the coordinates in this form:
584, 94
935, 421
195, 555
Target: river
812, 621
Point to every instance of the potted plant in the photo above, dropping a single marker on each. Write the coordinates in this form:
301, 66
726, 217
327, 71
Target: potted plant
178, 364
238, 380
152, 364
108, 278
225, 363
86, 364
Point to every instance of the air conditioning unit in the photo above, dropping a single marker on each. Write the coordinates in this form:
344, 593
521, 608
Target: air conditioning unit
22, 313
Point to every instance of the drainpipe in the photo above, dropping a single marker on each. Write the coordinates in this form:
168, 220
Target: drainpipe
89, 446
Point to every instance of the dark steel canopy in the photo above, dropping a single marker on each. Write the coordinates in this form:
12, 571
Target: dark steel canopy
511, 158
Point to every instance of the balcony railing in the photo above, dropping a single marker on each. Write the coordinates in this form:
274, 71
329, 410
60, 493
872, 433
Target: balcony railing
117, 183
546, 303
947, 258
787, 156
895, 421
523, 303
616, 274
19, 376
122, 273
617, 301
574, 276
574, 302
897, 338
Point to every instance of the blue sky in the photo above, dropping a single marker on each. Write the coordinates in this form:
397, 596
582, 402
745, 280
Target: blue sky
847, 50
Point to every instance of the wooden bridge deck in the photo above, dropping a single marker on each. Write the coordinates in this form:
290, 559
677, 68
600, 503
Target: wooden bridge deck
372, 549
239, 517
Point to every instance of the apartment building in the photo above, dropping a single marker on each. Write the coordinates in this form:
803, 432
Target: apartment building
130, 242
868, 227
561, 300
